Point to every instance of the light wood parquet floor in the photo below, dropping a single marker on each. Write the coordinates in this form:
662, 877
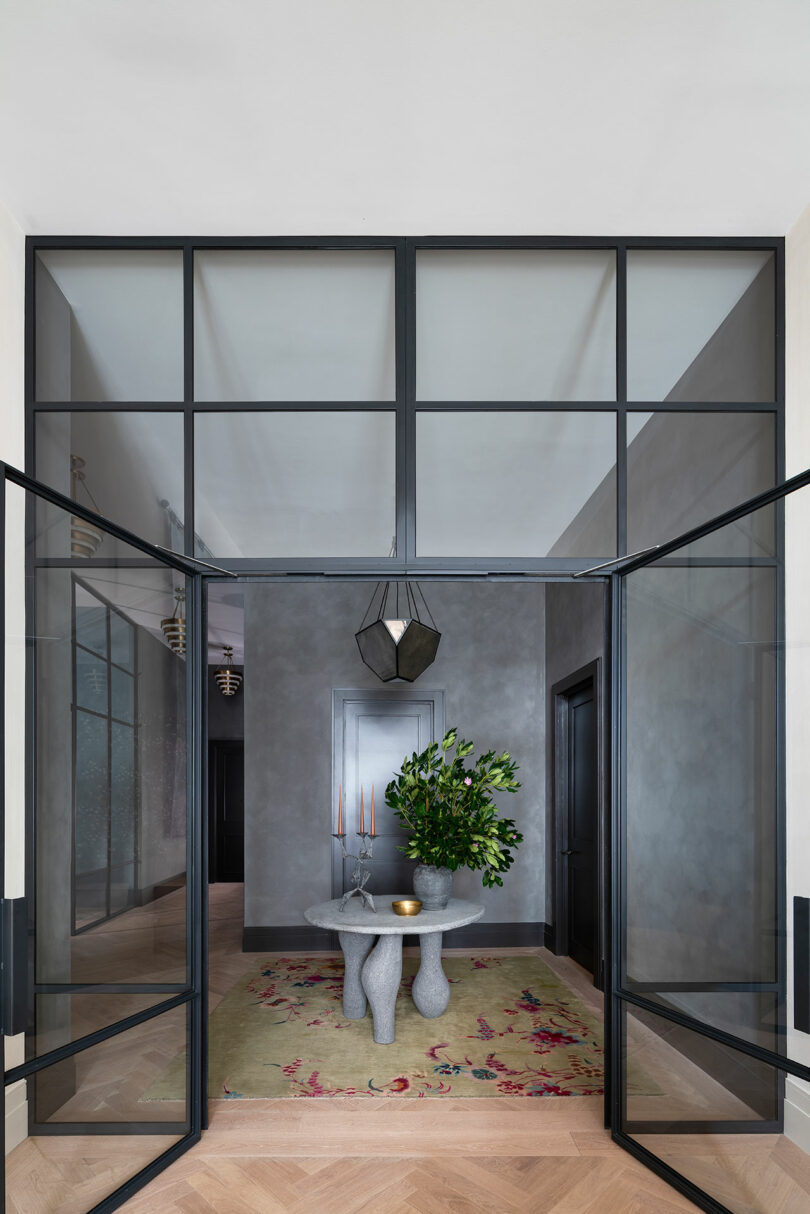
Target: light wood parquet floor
380, 1156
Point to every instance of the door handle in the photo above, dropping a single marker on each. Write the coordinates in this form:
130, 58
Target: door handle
569, 851
14, 991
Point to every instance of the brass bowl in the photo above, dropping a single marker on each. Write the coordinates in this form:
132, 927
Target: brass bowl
407, 906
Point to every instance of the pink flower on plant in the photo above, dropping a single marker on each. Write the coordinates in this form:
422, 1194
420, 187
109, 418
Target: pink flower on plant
468, 780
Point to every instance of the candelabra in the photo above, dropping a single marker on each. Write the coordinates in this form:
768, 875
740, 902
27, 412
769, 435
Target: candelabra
362, 867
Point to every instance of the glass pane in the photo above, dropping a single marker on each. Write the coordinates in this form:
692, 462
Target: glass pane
123, 695
61, 1018
126, 466
522, 324
111, 1081
701, 811
122, 794
109, 325
122, 641
711, 1113
685, 468
516, 484
293, 324
92, 827
676, 1076
91, 621
134, 806
701, 325
295, 484
91, 681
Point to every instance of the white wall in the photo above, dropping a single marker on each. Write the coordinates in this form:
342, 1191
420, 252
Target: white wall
246, 116
12, 282
797, 524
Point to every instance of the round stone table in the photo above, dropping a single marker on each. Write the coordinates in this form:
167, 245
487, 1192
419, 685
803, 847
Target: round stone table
372, 947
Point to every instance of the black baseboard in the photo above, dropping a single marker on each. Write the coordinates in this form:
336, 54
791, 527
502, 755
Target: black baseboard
548, 937
273, 939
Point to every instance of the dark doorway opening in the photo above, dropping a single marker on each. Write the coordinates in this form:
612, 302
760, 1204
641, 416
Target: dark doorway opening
578, 834
226, 809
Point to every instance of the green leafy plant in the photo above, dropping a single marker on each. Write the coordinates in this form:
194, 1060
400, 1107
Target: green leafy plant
447, 807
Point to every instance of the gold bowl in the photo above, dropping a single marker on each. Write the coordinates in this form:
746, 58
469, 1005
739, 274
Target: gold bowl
407, 906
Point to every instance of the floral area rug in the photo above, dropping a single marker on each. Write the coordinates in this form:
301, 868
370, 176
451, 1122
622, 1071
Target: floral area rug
511, 1029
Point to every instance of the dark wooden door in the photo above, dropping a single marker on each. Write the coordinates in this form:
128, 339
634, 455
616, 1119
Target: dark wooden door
580, 851
227, 811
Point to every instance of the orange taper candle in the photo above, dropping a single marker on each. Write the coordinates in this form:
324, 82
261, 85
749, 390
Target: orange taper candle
362, 818
340, 809
372, 809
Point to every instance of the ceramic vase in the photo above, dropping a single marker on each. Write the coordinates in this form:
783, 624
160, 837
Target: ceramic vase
432, 886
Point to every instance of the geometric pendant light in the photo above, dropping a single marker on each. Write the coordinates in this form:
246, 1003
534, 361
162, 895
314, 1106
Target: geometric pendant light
85, 539
226, 678
174, 628
394, 640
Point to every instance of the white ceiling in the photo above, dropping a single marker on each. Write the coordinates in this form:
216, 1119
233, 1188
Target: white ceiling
370, 116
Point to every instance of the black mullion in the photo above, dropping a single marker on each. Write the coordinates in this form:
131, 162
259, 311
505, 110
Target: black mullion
32, 1065
73, 746
109, 763
409, 388
111, 988
69, 1129
704, 987
779, 1062
195, 864
188, 400
201, 767
403, 327
621, 400
515, 406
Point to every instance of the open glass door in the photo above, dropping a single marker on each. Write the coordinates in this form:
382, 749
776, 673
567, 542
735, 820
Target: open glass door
102, 908
710, 1005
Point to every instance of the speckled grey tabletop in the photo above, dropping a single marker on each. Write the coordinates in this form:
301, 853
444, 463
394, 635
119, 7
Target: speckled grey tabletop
386, 922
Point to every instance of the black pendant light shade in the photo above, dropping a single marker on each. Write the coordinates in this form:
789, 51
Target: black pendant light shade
394, 643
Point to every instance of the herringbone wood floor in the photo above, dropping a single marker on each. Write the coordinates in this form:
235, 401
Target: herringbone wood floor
383, 1156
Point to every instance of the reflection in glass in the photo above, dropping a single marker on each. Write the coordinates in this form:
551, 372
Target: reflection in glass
294, 324
517, 324
109, 325
701, 325
295, 484
685, 468
680, 1082
701, 820
123, 843
516, 484
111, 1081
133, 467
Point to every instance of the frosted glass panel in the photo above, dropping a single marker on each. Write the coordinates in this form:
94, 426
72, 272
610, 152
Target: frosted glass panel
295, 484
685, 468
516, 484
521, 324
109, 325
700, 325
294, 324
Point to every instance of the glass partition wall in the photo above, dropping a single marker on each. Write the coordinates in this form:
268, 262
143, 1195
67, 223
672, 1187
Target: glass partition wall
100, 993
711, 966
392, 407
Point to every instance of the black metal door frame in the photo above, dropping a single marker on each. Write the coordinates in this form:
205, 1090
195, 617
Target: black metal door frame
619, 997
15, 992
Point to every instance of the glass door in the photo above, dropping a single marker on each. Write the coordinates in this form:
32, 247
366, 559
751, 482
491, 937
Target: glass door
102, 900
710, 1002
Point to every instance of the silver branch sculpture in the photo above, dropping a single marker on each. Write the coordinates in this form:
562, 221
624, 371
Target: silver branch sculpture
362, 868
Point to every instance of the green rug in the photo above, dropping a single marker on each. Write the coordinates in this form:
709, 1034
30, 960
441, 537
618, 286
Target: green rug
512, 1029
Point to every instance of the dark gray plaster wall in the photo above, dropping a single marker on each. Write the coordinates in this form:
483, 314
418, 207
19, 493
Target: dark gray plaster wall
299, 645
575, 636
226, 714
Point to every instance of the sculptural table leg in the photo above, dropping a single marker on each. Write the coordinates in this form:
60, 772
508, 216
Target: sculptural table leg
381, 977
356, 948
431, 990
